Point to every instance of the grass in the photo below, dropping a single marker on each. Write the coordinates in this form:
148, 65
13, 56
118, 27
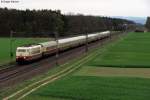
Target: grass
131, 51
5, 46
94, 88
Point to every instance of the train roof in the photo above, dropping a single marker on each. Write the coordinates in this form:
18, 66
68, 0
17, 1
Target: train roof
105, 32
49, 43
91, 35
81, 37
71, 39
27, 47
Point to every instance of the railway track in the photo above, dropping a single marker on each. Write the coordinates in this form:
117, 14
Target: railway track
7, 67
27, 90
16, 74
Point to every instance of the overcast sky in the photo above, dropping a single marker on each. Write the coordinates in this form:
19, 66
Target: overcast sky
139, 8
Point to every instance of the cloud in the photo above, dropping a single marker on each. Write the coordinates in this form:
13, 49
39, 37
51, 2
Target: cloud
93, 7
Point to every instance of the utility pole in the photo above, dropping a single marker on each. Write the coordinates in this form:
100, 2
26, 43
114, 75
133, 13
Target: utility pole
11, 45
86, 47
57, 48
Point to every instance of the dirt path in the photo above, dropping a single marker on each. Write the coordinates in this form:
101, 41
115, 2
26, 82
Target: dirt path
114, 72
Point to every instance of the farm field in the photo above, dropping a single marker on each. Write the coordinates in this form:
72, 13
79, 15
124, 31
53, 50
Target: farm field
94, 88
133, 51
5, 46
103, 77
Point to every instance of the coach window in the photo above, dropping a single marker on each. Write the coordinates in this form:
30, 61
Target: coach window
27, 50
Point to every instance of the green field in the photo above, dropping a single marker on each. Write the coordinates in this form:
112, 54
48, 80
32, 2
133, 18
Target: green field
131, 51
94, 88
103, 77
99, 80
5, 46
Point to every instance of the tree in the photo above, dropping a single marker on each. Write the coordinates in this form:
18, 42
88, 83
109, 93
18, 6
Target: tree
46, 22
148, 23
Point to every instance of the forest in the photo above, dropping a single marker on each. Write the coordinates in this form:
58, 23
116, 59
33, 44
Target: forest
30, 23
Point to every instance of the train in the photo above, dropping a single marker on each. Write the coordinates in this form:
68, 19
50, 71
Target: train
32, 52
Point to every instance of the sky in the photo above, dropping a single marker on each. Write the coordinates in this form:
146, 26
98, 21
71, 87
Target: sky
136, 8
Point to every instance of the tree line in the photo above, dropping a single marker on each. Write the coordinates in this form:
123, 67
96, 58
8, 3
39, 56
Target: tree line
148, 23
26, 23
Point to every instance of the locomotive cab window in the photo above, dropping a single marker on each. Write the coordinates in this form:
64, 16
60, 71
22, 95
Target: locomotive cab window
21, 50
